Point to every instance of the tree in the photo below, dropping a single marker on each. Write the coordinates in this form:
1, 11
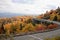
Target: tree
58, 10
7, 28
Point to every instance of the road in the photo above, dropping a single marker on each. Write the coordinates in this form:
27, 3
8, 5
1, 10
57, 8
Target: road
38, 36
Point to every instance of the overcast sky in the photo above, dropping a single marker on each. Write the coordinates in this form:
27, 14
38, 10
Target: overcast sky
28, 6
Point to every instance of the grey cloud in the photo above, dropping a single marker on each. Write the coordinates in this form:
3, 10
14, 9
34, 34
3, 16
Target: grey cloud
23, 1
52, 6
49, 7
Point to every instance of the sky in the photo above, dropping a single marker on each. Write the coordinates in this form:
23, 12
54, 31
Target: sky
33, 7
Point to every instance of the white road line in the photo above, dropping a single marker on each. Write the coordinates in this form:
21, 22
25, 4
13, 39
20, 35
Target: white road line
35, 37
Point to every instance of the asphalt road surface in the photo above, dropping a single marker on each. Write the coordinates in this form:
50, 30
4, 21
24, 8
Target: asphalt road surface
38, 36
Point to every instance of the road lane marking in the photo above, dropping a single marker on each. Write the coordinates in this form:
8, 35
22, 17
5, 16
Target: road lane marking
35, 37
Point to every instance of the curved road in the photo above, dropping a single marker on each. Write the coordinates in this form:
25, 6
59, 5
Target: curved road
38, 36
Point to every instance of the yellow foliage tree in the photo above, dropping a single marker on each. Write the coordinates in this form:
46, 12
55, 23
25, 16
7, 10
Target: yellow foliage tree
7, 28
28, 27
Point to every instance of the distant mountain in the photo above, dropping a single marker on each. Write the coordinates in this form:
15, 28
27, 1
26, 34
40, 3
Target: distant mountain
10, 14
7, 14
